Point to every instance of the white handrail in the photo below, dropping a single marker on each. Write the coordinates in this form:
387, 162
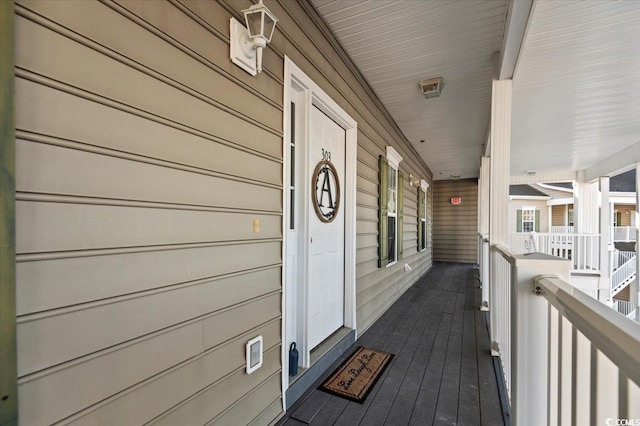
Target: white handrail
593, 353
502, 293
623, 275
617, 338
622, 256
582, 249
624, 233
561, 229
483, 268
627, 309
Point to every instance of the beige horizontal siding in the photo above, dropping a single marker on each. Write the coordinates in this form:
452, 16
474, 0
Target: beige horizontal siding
455, 227
625, 214
144, 156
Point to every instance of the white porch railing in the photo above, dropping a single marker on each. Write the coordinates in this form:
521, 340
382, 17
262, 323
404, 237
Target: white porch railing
561, 229
624, 233
566, 358
620, 233
627, 309
520, 242
483, 268
593, 292
503, 282
594, 359
620, 257
623, 275
582, 249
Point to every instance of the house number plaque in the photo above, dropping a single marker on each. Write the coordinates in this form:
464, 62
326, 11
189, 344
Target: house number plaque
325, 189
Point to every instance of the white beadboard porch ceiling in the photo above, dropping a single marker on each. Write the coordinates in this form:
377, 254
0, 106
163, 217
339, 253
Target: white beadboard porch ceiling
395, 44
576, 92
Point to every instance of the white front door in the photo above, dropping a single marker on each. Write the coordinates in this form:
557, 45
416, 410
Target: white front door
326, 228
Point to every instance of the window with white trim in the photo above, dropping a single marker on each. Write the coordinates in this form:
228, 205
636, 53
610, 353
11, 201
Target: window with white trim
422, 215
528, 220
570, 217
390, 224
392, 214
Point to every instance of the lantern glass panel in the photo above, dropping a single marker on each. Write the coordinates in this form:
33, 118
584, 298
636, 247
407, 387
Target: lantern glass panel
254, 23
269, 26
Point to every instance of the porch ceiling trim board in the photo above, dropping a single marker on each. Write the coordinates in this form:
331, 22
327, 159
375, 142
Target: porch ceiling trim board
619, 162
519, 15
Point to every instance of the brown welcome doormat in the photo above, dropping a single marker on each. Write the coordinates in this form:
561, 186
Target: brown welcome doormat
355, 378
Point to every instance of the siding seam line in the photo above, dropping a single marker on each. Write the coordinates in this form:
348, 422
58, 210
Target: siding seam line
40, 197
87, 410
47, 139
53, 26
120, 106
50, 313
36, 375
71, 254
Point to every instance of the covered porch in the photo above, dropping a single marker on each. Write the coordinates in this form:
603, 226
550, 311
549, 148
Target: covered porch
443, 371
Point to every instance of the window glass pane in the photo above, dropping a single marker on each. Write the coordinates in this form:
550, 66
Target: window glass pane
293, 166
423, 231
391, 241
528, 220
292, 210
292, 169
391, 203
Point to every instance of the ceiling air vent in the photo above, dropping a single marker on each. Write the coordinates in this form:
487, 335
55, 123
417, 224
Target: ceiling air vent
432, 87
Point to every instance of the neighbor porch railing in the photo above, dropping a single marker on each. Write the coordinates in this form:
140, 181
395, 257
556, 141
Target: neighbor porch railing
627, 309
620, 257
561, 229
582, 249
620, 233
624, 233
566, 358
623, 275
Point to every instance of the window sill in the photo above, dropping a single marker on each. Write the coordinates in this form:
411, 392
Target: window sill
392, 263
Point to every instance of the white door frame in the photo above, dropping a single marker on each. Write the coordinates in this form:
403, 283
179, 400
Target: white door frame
299, 87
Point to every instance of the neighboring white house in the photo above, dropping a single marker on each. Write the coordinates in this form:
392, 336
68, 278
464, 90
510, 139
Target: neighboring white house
547, 209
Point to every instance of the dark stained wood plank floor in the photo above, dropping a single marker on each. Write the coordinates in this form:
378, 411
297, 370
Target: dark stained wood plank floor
442, 373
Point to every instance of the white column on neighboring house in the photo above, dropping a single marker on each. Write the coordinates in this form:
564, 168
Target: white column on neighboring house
566, 213
612, 213
605, 240
635, 289
585, 206
483, 228
500, 175
550, 218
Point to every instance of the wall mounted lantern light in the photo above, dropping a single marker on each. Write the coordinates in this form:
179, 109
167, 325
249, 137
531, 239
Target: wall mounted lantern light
247, 42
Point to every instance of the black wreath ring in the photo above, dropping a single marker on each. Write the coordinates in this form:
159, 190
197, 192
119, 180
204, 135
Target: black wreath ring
314, 191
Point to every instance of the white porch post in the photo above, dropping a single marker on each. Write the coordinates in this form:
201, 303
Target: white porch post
550, 218
500, 173
483, 228
585, 206
566, 213
635, 289
605, 239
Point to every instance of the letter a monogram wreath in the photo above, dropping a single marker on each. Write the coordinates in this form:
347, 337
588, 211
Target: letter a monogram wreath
325, 191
